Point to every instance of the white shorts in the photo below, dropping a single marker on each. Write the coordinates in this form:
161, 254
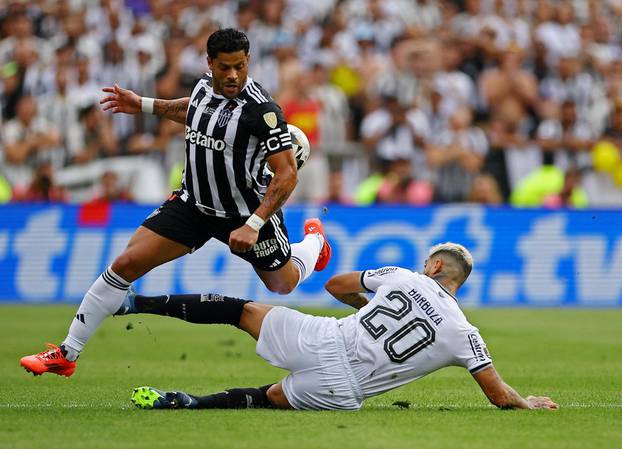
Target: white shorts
312, 348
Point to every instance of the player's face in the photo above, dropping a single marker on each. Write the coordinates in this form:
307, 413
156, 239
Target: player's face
229, 72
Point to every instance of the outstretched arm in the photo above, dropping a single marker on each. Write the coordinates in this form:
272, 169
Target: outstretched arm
348, 289
504, 396
128, 102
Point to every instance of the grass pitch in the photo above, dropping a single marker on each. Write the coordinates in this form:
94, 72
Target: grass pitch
573, 356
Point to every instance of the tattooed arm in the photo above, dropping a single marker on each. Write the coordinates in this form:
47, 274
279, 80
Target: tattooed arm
172, 109
283, 164
128, 102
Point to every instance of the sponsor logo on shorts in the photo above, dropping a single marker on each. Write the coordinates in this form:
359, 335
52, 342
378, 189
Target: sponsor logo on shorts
265, 247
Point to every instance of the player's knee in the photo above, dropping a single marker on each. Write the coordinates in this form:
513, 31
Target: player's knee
127, 266
277, 397
282, 287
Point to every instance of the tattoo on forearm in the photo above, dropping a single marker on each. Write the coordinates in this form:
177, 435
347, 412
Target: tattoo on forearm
275, 198
172, 109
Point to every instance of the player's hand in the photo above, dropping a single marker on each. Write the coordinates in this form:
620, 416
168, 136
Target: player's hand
120, 100
541, 402
243, 238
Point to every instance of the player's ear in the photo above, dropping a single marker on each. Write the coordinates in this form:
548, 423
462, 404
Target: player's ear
437, 267
210, 63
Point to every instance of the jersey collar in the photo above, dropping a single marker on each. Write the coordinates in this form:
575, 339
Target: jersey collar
445, 290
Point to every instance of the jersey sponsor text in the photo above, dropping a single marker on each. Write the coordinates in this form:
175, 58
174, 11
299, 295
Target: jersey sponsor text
202, 140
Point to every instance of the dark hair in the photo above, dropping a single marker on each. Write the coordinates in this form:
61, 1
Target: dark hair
86, 110
226, 40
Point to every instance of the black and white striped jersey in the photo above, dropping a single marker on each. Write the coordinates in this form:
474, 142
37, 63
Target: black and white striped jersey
227, 144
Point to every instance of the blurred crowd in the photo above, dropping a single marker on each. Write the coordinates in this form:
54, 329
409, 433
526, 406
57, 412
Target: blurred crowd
404, 101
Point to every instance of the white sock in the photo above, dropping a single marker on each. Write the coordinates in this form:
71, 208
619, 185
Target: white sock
305, 254
103, 299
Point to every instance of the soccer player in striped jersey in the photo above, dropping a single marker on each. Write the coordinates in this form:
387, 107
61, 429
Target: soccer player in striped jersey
411, 327
233, 130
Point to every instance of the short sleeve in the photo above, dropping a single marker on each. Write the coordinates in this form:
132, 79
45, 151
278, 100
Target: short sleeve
270, 128
372, 280
471, 351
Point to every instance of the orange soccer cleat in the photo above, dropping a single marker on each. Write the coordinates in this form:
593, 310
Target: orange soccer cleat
52, 361
314, 226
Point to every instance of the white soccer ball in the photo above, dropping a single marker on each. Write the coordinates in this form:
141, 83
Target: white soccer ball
300, 145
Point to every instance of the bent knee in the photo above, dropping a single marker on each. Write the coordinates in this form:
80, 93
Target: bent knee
282, 287
277, 397
128, 266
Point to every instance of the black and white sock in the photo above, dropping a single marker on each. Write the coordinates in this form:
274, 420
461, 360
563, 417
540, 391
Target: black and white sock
235, 398
101, 300
208, 308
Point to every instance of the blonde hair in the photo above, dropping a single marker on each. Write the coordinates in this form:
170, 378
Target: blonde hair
462, 258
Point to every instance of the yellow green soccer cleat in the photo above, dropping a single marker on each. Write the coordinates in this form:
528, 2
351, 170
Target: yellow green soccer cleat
152, 398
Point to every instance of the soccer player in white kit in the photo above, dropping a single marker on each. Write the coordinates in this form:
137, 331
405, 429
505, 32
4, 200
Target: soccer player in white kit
411, 327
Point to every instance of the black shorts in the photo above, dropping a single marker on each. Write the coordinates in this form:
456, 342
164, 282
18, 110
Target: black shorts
184, 223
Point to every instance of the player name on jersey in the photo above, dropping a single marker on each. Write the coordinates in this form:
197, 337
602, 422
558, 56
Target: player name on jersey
425, 306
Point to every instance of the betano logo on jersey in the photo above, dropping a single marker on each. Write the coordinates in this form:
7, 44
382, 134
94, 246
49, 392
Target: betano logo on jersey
202, 140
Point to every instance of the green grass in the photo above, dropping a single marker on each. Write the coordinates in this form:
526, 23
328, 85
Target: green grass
573, 356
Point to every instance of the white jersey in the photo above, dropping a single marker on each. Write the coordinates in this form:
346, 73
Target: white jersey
411, 327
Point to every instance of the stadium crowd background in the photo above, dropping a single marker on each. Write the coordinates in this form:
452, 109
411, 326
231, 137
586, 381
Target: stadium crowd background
404, 101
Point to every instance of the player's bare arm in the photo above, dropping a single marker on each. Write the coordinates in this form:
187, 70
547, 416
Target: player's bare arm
348, 289
281, 186
504, 396
128, 102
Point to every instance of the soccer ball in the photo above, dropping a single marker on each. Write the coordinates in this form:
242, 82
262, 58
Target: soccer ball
300, 145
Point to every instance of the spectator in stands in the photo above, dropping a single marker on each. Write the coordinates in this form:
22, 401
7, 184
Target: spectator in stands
400, 187
513, 154
509, 80
336, 192
110, 190
457, 155
117, 69
485, 190
559, 34
456, 87
29, 140
42, 188
93, 138
566, 142
572, 83
550, 187
395, 132
513, 63
59, 107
